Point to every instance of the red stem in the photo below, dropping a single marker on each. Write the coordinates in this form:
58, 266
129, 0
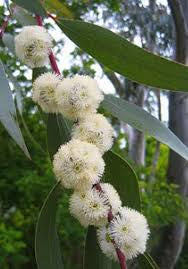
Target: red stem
4, 26
51, 55
121, 256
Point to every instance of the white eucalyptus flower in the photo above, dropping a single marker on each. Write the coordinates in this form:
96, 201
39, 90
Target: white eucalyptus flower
130, 231
89, 207
78, 165
95, 129
112, 196
105, 243
78, 96
44, 88
33, 45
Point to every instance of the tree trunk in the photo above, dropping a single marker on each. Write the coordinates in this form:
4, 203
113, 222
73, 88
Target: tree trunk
173, 235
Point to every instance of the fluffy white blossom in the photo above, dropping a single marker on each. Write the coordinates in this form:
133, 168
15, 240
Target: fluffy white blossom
130, 231
44, 88
78, 165
78, 96
95, 129
89, 207
105, 243
112, 197
32, 46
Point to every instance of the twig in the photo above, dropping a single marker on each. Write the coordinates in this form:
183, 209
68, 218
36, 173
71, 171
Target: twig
4, 26
121, 256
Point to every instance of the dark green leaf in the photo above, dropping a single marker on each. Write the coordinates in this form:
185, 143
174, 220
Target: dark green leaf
47, 248
8, 41
145, 261
46, 245
143, 121
126, 58
37, 72
33, 6
58, 132
93, 257
23, 17
121, 175
8, 112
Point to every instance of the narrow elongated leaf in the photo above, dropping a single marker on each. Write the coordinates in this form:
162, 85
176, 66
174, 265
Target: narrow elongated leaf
146, 262
126, 58
58, 132
8, 112
8, 41
23, 16
17, 88
33, 6
122, 176
143, 121
93, 257
47, 248
59, 8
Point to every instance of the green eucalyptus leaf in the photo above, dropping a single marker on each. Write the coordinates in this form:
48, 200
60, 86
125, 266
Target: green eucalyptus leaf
126, 58
58, 132
121, 175
23, 17
143, 121
145, 261
47, 248
93, 257
33, 6
8, 41
8, 112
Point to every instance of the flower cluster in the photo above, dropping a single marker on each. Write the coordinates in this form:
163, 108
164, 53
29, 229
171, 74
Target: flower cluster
78, 164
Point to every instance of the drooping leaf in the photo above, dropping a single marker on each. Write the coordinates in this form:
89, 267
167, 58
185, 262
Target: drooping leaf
23, 17
47, 248
17, 88
93, 257
145, 261
59, 8
33, 6
8, 41
58, 132
121, 175
143, 121
8, 112
126, 58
